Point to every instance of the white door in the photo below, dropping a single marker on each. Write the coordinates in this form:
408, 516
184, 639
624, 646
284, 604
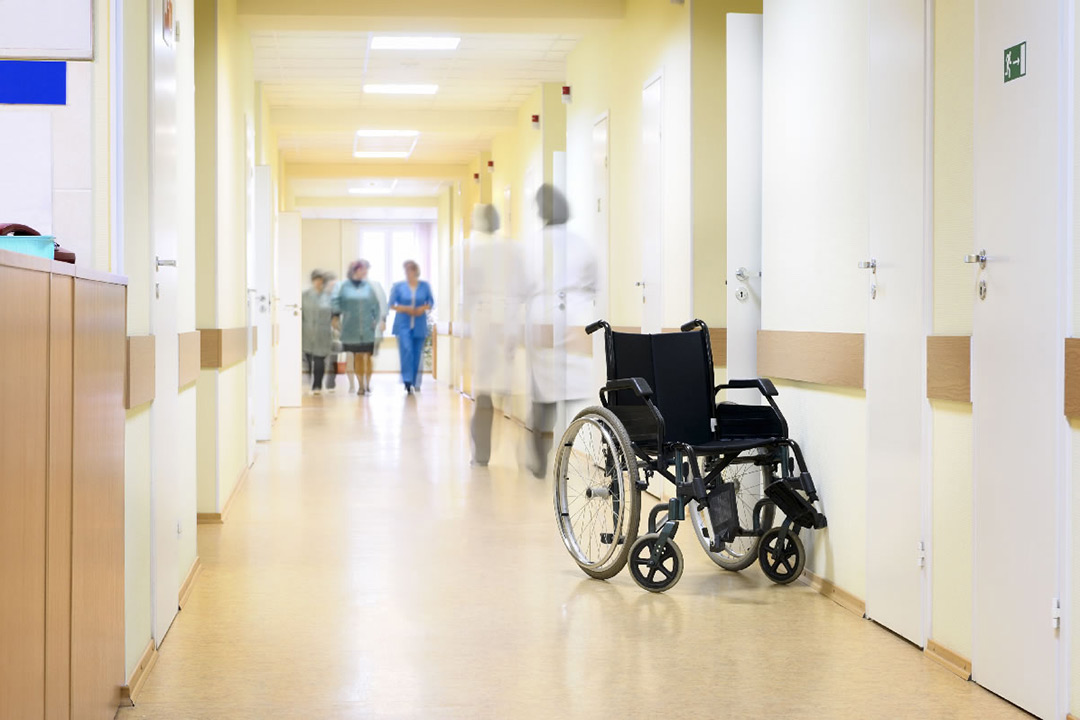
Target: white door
744, 60
897, 321
601, 238
1018, 349
164, 490
652, 220
289, 350
262, 390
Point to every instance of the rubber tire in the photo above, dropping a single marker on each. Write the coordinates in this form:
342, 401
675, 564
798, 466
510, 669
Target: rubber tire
633, 519
679, 564
800, 557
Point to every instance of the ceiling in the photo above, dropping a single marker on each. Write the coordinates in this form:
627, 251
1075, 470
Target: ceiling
324, 73
384, 187
487, 71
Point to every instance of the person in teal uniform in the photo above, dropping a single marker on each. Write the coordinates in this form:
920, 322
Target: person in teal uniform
411, 300
357, 311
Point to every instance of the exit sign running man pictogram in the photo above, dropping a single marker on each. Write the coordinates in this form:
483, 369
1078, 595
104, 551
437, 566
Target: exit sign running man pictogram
1015, 62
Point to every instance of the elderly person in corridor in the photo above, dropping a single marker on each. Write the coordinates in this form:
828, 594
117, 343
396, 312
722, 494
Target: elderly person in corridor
358, 311
316, 312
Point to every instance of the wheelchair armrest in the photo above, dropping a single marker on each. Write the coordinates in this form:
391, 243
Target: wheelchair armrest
638, 385
764, 385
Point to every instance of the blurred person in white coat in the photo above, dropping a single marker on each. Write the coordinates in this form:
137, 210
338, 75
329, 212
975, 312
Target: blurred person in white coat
562, 301
493, 302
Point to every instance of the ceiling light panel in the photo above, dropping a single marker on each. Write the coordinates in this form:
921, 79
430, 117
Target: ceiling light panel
400, 89
387, 133
414, 42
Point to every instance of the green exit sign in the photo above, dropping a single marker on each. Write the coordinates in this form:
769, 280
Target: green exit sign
1015, 62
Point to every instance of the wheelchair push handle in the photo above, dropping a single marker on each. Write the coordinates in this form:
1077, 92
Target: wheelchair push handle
593, 327
693, 325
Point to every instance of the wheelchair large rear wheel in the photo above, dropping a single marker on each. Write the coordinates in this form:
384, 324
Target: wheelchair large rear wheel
749, 480
597, 501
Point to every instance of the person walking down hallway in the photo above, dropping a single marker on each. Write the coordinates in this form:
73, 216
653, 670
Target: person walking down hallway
357, 311
492, 303
562, 295
316, 319
411, 300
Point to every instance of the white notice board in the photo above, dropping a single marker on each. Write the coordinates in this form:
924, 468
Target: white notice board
48, 29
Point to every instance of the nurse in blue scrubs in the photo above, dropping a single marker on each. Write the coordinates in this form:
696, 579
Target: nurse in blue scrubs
411, 300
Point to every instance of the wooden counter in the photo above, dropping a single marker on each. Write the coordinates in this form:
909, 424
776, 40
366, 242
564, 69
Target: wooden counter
62, 363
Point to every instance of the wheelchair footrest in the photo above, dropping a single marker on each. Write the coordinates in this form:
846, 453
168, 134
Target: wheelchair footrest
798, 509
723, 513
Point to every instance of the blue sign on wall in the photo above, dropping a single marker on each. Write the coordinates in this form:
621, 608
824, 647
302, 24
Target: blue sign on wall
31, 82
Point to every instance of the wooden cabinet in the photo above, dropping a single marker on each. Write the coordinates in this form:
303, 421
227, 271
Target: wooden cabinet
62, 345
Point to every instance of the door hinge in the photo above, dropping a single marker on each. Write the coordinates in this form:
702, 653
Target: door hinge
712, 423
1055, 613
922, 554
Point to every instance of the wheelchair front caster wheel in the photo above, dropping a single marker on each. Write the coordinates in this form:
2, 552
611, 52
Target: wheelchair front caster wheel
782, 561
655, 570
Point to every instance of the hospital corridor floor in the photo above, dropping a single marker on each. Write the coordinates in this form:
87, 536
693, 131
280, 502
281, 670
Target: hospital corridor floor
366, 570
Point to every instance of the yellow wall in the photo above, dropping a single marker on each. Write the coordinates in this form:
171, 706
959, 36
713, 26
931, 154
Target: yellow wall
951, 545
137, 251
102, 137
514, 151
608, 72
184, 13
225, 105
321, 248
709, 117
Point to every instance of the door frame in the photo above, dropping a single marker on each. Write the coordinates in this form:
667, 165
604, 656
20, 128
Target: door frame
927, 464
657, 76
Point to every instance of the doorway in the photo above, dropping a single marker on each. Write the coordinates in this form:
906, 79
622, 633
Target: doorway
744, 119
1019, 282
898, 320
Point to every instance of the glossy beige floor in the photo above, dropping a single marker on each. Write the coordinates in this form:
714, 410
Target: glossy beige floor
366, 571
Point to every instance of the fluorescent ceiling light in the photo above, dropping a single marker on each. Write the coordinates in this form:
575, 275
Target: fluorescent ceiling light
387, 133
414, 42
396, 89
370, 154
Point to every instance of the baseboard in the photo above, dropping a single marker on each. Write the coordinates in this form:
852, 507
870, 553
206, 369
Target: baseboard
189, 583
130, 692
838, 595
220, 517
953, 662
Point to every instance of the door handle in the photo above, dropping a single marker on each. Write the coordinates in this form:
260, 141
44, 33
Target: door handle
742, 274
159, 263
870, 264
979, 258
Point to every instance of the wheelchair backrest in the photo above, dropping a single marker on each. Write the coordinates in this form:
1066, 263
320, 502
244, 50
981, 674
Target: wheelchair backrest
678, 368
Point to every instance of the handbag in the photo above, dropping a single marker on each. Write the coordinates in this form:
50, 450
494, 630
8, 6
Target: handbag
60, 253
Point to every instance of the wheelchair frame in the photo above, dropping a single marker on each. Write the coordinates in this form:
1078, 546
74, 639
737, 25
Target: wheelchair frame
681, 464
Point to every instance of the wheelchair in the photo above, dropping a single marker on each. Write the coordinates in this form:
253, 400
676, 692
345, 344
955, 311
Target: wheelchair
733, 466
